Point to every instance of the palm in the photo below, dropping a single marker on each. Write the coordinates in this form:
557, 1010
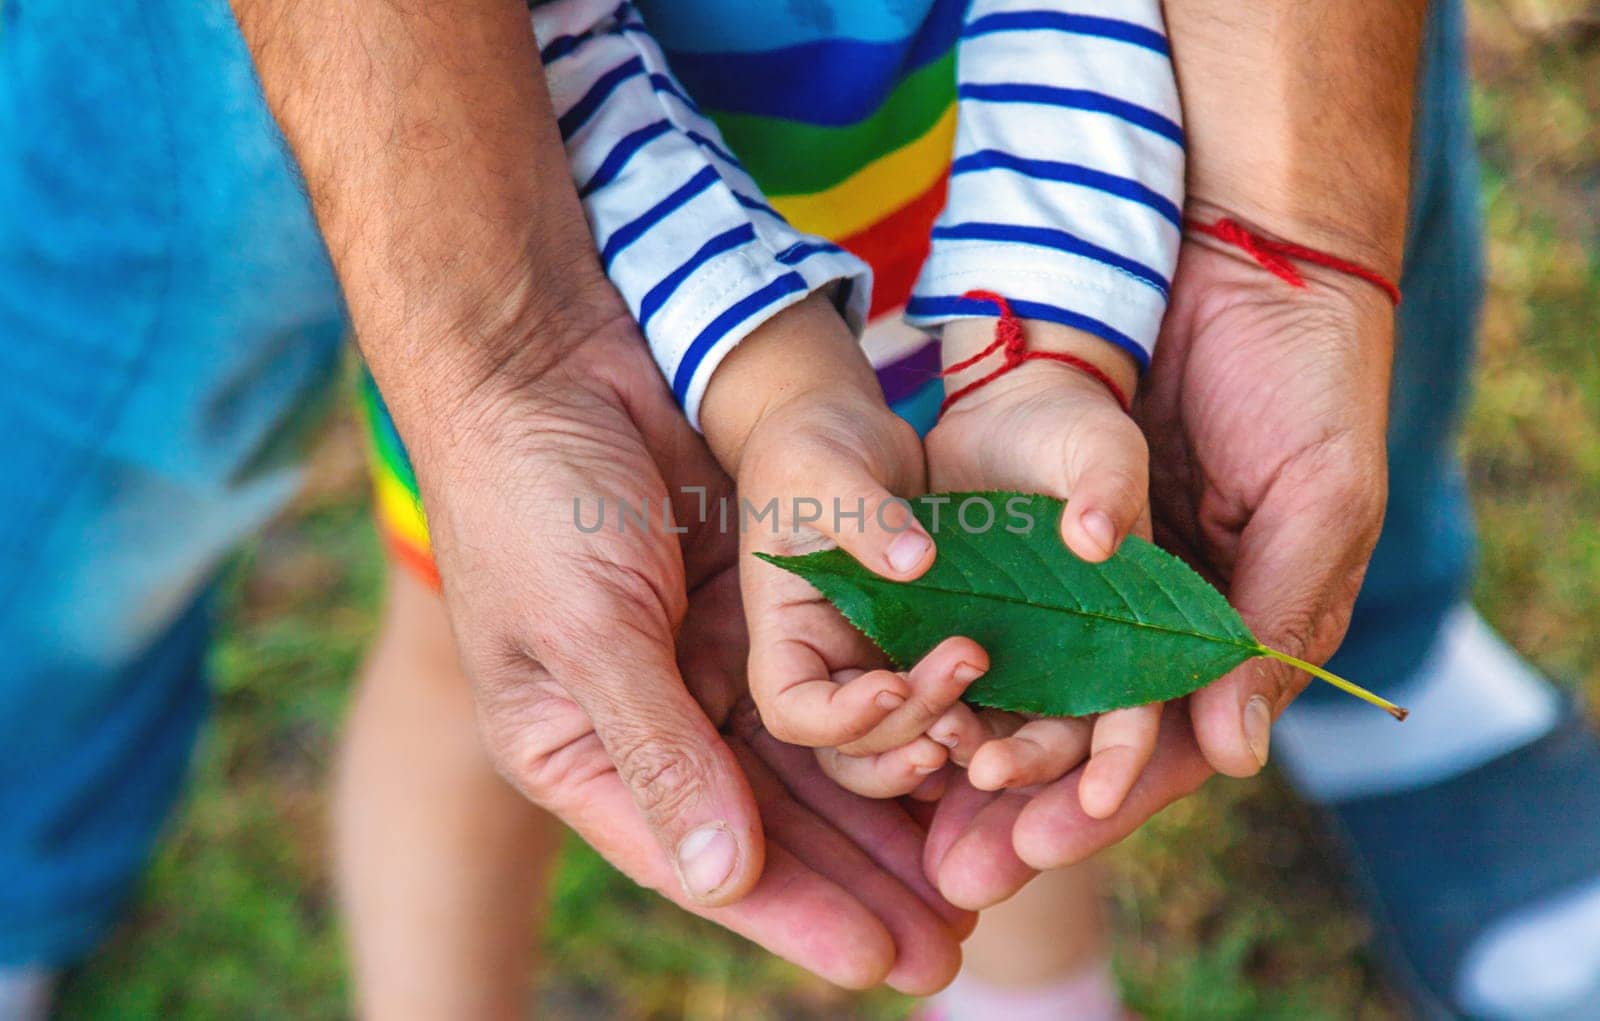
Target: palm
842, 887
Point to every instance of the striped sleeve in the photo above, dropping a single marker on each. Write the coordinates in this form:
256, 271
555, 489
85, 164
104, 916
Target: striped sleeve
1066, 183
683, 231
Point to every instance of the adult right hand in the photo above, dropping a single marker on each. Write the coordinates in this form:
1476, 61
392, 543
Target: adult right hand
568, 636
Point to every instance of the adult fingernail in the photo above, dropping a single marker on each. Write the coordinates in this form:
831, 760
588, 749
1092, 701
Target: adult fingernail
706, 859
889, 701
1097, 526
908, 550
966, 673
1258, 727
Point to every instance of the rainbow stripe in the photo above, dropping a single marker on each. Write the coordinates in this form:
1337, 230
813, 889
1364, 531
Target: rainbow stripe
848, 130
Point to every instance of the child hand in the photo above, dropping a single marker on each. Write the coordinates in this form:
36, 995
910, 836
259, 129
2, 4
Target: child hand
821, 460
1052, 428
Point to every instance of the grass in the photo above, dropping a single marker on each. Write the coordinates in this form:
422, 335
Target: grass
1227, 906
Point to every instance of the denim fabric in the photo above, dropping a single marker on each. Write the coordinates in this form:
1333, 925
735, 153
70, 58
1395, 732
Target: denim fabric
168, 319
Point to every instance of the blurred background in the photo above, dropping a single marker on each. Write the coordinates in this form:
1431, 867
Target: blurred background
1226, 906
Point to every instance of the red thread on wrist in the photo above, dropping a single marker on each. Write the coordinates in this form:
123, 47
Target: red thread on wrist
1274, 256
1013, 344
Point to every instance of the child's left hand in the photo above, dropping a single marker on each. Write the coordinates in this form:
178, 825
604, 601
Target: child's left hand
1048, 427
795, 413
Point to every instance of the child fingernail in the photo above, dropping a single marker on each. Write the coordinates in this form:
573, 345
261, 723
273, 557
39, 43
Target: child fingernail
1097, 526
889, 701
947, 738
908, 550
966, 673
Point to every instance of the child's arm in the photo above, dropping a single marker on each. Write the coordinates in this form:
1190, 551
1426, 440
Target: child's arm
795, 412
1066, 185
1065, 198
683, 232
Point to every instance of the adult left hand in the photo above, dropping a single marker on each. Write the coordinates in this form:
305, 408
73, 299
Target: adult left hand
586, 707
1265, 410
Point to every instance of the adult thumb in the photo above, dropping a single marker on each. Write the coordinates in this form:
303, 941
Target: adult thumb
684, 778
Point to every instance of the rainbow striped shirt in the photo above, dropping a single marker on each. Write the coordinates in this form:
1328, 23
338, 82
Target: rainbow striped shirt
733, 156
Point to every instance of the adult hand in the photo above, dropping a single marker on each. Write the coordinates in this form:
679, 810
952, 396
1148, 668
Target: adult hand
568, 636
1265, 410
435, 163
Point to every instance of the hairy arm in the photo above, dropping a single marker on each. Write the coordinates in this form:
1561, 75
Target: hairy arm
432, 159
520, 382
1275, 398
1298, 116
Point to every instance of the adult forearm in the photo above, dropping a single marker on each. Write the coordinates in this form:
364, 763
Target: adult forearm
428, 145
1298, 116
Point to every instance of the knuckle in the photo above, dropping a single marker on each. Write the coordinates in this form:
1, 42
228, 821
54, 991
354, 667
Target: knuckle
663, 775
1294, 626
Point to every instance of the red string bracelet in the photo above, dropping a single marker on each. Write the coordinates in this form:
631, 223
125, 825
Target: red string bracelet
1012, 343
1274, 256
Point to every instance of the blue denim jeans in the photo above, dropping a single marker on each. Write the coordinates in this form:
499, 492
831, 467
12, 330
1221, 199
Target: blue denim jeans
168, 320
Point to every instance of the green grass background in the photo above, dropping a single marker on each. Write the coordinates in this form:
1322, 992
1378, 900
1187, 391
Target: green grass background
1227, 906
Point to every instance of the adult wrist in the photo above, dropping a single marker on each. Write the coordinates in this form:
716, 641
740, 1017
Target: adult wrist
1339, 291
1298, 117
451, 366
1301, 192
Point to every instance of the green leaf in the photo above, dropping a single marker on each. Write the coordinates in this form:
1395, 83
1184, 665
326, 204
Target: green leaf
1065, 637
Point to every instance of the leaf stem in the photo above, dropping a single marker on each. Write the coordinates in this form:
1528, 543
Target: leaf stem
1338, 682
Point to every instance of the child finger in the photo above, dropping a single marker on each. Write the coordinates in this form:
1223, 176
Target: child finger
1124, 740
963, 731
867, 521
1040, 751
936, 683
1107, 484
801, 702
931, 789
886, 775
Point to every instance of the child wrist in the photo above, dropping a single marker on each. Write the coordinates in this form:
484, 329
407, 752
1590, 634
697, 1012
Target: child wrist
805, 352
977, 354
